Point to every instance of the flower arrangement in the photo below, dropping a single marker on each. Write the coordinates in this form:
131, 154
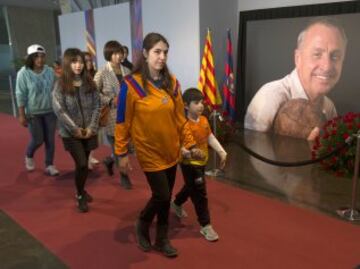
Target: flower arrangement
332, 135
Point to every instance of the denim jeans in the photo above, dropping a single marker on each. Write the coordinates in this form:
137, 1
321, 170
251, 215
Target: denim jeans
42, 129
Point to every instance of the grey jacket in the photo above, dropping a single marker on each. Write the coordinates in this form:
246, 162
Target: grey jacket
109, 87
79, 110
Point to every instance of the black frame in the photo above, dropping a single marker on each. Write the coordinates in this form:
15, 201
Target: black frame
278, 13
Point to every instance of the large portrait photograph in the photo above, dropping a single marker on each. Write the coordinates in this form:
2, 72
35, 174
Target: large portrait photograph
298, 72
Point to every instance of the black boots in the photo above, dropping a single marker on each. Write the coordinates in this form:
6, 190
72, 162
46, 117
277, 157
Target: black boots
162, 243
109, 164
125, 181
82, 203
142, 235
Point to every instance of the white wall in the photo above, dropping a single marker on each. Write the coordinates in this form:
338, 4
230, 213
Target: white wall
262, 4
178, 21
72, 31
112, 23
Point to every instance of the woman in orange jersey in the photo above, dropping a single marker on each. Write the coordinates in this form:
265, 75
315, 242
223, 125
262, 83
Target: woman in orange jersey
151, 110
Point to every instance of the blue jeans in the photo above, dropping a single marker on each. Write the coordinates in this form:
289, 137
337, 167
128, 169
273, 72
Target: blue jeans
42, 129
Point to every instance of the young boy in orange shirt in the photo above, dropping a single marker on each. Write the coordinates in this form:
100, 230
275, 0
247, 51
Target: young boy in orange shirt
193, 170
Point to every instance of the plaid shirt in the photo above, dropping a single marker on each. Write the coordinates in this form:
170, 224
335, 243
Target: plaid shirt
109, 87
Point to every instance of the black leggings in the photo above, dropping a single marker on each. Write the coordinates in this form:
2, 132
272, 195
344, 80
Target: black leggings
79, 150
161, 184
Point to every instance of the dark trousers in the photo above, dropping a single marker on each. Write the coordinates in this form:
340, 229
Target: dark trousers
42, 129
195, 188
79, 150
161, 184
111, 140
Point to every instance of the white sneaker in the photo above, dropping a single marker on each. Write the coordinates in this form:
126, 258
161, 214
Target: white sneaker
92, 160
209, 233
29, 164
179, 211
51, 170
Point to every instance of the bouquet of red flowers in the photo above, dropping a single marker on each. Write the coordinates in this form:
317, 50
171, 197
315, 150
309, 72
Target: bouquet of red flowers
332, 135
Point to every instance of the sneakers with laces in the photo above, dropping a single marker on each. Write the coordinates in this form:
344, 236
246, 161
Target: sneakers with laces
29, 164
209, 233
51, 170
179, 211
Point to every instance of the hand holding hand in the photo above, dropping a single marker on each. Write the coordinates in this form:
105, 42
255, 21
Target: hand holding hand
185, 153
197, 154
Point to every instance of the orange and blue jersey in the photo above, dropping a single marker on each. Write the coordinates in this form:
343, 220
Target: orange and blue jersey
154, 120
201, 131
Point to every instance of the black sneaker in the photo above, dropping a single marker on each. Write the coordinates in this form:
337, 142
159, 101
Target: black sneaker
88, 197
82, 203
109, 164
125, 181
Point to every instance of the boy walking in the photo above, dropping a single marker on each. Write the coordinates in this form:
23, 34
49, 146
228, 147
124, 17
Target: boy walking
193, 170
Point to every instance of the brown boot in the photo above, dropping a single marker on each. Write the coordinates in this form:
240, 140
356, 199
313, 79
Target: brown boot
162, 243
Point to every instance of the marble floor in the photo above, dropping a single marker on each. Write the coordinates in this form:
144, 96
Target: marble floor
305, 186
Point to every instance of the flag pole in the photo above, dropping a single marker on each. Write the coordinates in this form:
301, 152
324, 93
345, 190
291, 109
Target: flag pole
214, 172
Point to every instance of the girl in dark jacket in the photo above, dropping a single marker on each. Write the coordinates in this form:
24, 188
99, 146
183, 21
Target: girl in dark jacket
76, 103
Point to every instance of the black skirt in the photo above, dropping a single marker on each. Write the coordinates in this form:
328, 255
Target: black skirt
74, 144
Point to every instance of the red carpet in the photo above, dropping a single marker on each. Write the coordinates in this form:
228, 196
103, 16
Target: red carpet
255, 232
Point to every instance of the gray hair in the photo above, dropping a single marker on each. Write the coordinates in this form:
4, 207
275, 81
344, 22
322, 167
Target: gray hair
329, 22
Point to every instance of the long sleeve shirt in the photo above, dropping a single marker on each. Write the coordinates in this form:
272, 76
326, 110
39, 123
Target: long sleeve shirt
155, 122
33, 90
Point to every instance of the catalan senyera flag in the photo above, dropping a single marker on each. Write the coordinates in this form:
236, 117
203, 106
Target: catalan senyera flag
207, 82
228, 87
90, 34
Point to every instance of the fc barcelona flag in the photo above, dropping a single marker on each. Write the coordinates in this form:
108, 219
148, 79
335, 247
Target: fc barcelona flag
90, 34
207, 82
228, 86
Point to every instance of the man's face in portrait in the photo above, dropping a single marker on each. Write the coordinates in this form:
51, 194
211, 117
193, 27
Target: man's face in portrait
319, 59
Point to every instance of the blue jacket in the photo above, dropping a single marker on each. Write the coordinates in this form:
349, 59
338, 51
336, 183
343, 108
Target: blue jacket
33, 91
